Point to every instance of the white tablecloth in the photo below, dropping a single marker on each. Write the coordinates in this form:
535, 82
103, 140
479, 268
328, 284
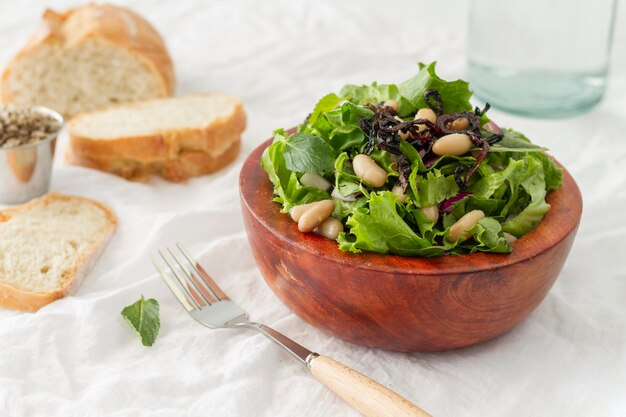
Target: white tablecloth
76, 357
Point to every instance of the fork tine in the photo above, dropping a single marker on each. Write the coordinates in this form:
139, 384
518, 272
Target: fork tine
180, 296
193, 295
190, 279
182, 283
205, 277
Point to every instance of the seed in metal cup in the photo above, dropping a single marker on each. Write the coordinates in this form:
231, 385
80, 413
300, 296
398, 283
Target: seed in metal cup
27, 142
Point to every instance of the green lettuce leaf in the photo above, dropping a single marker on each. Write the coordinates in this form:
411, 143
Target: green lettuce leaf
425, 225
143, 318
412, 155
532, 181
410, 94
287, 188
386, 160
374, 94
340, 126
346, 182
435, 188
488, 184
345, 208
326, 104
455, 95
487, 233
379, 228
552, 173
515, 142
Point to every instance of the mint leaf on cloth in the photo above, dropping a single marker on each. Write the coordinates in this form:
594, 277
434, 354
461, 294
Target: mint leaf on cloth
143, 318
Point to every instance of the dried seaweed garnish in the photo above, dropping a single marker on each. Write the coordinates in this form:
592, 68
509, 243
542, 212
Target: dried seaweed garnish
404, 168
382, 131
445, 120
494, 138
478, 112
484, 145
473, 131
458, 172
366, 127
437, 105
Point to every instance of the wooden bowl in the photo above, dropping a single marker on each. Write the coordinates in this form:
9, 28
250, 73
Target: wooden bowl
403, 303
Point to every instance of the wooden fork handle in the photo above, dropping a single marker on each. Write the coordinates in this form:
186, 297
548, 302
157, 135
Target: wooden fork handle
368, 396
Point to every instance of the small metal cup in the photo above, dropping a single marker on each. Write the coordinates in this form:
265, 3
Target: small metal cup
25, 170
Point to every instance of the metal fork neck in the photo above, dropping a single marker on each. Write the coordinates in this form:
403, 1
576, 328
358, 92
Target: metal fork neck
302, 354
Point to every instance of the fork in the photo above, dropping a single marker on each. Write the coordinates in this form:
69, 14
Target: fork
210, 306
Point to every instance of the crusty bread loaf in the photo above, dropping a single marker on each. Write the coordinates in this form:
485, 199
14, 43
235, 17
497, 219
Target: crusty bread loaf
88, 58
47, 246
176, 138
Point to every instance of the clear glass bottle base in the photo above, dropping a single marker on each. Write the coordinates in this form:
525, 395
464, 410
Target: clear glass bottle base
535, 93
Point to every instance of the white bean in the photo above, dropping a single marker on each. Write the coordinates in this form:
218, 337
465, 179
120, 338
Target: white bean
349, 197
330, 229
366, 169
393, 104
509, 237
458, 124
431, 212
315, 215
399, 191
425, 113
403, 135
314, 180
297, 211
461, 227
455, 144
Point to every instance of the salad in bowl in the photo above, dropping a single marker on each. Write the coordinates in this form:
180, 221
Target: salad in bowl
410, 169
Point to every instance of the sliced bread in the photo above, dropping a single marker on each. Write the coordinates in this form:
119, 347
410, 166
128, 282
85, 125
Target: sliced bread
177, 137
188, 164
47, 247
88, 58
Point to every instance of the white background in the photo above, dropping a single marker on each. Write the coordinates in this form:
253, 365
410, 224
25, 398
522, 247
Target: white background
76, 357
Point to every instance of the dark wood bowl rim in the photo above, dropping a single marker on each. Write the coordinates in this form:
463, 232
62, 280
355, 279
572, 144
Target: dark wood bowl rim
559, 218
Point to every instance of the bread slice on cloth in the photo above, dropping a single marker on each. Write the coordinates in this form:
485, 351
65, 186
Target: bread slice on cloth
48, 246
88, 58
176, 138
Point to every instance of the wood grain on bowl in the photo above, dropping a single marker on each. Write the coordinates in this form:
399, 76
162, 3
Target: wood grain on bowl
405, 303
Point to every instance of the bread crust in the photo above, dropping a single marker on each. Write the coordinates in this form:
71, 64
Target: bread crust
176, 155
186, 165
21, 299
106, 23
213, 139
